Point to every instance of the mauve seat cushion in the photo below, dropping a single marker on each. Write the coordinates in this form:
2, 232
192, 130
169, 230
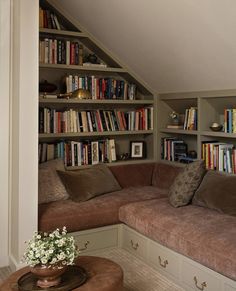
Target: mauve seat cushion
204, 235
99, 211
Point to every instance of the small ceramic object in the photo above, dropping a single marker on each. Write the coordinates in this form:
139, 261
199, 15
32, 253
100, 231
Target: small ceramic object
216, 126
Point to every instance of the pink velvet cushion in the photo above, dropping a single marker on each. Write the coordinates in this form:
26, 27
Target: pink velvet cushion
164, 175
204, 235
133, 175
99, 211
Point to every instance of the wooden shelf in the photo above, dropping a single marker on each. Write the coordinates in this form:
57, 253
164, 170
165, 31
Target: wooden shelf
82, 68
66, 33
219, 134
179, 131
92, 134
94, 101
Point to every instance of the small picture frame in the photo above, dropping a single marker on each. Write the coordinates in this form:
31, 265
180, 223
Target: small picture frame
137, 150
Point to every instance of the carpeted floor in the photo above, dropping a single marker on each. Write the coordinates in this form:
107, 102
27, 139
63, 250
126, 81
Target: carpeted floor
138, 276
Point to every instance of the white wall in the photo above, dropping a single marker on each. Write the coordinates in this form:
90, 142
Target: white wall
4, 125
173, 45
24, 127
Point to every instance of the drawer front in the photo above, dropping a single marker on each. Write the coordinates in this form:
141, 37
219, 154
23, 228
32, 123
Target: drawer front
163, 259
230, 287
97, 240
199, 279
134, 243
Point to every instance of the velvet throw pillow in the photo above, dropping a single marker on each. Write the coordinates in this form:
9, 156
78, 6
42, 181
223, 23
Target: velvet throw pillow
186, 183
85, 184
50, 187
217, 191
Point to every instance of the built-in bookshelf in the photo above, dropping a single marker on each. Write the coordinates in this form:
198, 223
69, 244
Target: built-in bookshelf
120, 108
217, 148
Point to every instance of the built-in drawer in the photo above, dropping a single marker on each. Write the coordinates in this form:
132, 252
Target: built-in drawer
163, 259
199, 279
230, 286
134, 243
96, 240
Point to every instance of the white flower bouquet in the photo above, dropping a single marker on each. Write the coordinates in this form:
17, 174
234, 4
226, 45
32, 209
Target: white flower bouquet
48, 249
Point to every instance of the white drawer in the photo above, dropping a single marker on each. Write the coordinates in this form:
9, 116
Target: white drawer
134, 243
230, 287
97, 240
199, 279
164, 259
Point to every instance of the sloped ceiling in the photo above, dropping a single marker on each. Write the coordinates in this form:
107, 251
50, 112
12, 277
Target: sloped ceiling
173, 45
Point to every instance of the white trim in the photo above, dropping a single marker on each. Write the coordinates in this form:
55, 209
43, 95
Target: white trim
5, 37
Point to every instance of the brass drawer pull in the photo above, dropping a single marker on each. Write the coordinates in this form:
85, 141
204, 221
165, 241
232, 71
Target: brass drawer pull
134, 246
203, 285
164, 264
85, 246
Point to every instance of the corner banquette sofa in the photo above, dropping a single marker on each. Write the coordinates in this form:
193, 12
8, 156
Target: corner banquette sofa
194, 246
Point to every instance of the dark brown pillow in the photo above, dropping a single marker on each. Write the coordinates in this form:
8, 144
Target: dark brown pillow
186, 183
217, 191
85, 184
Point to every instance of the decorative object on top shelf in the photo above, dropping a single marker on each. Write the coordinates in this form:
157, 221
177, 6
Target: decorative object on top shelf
216, 126
77, 94
123, 157
49, 255
91, 58
46, 87
176, 120
137, 149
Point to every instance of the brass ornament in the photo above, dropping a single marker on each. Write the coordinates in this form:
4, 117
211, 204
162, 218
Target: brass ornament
77, 94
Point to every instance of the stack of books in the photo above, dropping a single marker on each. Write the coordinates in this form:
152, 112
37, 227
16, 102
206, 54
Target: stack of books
48, 19
190, 119
72, 121
76, 153
60, 51
101, 88
173, 149
219, 156
230, 120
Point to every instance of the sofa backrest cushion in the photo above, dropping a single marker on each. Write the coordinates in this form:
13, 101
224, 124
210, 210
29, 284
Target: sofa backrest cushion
164, 175
85, 184
217, 191
133, 175
186, 183
50, 187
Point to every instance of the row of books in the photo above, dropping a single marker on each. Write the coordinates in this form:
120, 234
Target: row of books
230, 120
101, 88
60, 51
72, 121
76, 153
173, 149
48, 19
190, 119
219, 156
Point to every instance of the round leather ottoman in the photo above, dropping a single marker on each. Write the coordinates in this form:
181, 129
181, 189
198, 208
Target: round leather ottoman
103, 275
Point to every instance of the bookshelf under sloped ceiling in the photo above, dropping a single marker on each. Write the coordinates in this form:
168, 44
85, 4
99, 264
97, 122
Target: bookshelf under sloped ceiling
92, 108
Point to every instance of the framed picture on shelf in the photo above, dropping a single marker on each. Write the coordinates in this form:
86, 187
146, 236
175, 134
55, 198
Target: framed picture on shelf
137, 149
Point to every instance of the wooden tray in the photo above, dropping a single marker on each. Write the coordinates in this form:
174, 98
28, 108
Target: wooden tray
71, 279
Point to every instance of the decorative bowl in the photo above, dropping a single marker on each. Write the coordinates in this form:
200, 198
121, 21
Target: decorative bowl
216, 127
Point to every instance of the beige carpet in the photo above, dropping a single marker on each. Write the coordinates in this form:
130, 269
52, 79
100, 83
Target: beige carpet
138, 275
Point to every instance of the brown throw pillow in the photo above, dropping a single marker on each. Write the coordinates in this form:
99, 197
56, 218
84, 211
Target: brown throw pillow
85, 184
186, 183
217, 191
50, 187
